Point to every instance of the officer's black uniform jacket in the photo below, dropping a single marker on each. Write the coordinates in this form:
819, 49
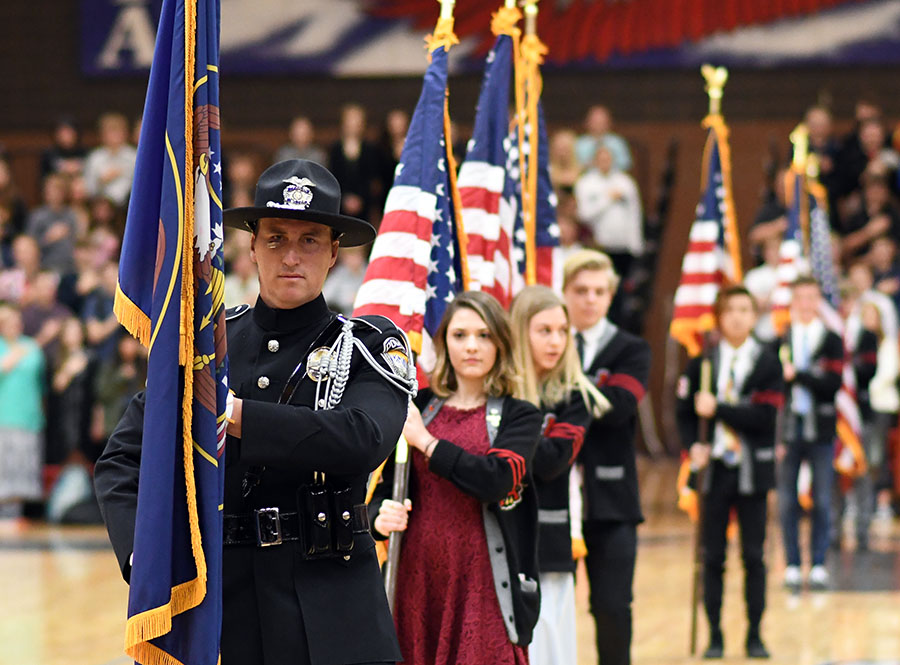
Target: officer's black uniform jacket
502, 480
278, 608
753, 418
561, 440
823, 380
865, 363
620, 370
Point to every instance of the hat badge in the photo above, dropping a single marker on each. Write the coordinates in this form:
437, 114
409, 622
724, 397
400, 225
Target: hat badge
297, 194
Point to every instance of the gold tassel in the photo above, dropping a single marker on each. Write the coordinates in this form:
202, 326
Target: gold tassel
131, 317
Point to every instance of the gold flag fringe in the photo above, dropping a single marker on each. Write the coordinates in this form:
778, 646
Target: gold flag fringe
158, 621
131, 316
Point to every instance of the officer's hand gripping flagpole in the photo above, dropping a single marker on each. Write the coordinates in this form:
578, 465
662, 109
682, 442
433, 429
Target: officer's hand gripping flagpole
696, 481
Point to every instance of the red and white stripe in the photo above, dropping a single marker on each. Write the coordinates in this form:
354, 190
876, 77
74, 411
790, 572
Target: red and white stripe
488, 221
705, 267
791, 264
845, 402
395, 281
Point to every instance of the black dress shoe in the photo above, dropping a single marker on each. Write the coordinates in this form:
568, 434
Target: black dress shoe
756, 649
716, 648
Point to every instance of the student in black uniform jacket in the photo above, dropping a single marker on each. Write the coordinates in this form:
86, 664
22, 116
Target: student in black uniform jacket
289, 597
742, 406
467, 585
618, 363
550, 377
812, 358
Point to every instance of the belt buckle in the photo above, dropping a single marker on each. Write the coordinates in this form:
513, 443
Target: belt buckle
268, 527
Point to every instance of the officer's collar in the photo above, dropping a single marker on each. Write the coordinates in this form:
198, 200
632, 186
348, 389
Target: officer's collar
290, 320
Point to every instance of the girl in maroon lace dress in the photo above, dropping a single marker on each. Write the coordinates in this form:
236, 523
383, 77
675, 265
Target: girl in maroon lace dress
467, 588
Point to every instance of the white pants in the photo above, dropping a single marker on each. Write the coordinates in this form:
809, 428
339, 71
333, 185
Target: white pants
554, 634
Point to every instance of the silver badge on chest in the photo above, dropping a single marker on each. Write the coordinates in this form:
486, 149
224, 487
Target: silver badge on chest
317, 363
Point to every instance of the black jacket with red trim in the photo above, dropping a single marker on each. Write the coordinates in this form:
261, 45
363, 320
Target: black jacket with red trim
620, 370
502, 480
753, 418
823, 380
865, 362
561, 441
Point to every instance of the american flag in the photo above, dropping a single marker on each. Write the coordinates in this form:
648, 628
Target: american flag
490, 187
850, 459
546, 229
487, 186
414, 269
792, 260
713, 257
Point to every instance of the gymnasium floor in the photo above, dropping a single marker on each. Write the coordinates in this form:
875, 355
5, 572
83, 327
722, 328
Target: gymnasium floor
63, 601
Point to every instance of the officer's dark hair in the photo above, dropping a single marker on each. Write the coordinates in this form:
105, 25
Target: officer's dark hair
732, 291
500, 380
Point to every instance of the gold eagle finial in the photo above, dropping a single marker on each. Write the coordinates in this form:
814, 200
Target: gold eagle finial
716, 77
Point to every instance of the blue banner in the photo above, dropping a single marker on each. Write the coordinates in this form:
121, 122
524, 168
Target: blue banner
384, 37
171, 296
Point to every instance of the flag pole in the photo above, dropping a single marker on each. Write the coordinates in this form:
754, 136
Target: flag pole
715, 77
400, 488
532, 54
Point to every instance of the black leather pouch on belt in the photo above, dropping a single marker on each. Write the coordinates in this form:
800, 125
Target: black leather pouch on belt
342, 527
316, 521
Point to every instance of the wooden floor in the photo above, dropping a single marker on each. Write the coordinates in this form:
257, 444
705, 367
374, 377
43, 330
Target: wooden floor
62, 601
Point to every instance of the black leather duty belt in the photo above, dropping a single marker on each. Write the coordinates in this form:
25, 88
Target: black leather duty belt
265, 527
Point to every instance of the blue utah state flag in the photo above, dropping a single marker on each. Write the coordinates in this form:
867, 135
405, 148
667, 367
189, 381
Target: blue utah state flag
171, 297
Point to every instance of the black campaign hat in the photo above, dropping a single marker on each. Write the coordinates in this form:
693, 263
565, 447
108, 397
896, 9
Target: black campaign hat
300, 189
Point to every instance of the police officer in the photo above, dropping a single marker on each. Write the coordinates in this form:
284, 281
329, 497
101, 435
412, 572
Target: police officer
319, 402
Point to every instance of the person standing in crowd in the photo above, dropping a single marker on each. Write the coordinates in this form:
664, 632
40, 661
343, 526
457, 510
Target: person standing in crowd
355, 163
10, 199
563, 162
100, 320
884, 403
109, 168
742, 408
43, 315
242, 281
17, 281
301, 143
467, 581
878, 217
860, 349
812, 360
71, 398
618, 363
761, 282
21, 416
396, 125
66, 155
550, 377
54, 226
119, 378
598, 132
344, 281
610, 206
291, 459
